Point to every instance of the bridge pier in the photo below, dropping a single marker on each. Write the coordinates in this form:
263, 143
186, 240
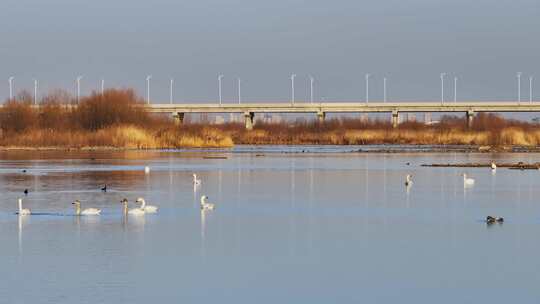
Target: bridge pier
395, 119
248, 118
178, 118
470, 118
321, 116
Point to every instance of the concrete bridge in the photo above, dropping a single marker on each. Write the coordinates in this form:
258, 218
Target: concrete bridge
321, 109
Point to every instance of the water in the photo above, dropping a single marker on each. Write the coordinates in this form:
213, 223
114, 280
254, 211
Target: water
324, 226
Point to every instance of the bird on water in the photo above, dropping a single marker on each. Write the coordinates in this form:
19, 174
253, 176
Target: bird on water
87, 211
494, 219
408, 180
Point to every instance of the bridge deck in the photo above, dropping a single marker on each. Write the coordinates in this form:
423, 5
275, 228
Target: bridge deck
499, 106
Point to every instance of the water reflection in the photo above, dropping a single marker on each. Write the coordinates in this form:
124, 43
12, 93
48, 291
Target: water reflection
21, 220
297, 218
203, 232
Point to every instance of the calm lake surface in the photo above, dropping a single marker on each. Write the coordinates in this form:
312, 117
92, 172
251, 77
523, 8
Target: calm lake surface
323, 226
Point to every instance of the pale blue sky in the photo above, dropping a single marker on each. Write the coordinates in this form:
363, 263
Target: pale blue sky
483, 42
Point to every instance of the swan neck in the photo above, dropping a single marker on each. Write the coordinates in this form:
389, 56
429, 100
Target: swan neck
77, 209
20, 205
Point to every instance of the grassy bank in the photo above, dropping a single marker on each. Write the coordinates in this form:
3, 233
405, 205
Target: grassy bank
121, 136
112, 120
116, 120
487, 130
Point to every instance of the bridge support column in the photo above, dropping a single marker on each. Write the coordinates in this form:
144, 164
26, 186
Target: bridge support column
248, 118
395, 119
321, 116
470, 117
178, 118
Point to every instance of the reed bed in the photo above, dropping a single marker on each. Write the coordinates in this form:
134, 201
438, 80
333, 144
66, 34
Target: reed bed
113, 120
116, 119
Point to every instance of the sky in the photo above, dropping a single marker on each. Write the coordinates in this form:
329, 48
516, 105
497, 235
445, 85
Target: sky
482, 42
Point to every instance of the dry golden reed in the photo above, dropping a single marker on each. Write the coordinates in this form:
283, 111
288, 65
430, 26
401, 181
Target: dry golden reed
116, 119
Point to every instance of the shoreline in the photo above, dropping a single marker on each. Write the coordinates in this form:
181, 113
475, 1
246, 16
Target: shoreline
374, 148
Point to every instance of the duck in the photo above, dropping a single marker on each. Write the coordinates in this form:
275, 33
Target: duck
408, 180
205, 205
88, 211
196, 181
146, 208
25, 191
493, 166
493, 219
467, 181
104, 189
134, 211
21, 210
146, 170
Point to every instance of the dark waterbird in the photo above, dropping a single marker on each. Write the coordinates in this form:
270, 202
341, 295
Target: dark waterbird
25, 191
493, 219
104, 189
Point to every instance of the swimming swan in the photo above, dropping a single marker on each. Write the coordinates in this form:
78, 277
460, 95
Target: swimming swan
196, 181
145, 207
408, 180
21, 210
493, 166
135, 211
467, 181
205, 205
88, 211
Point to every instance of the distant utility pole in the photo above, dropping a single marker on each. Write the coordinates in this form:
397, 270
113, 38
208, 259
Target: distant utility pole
171, 91
367, 88
10, 80
442, 88
519, 86
35, 91
292, 88
79, 88
239, 91
219, 88
384, 89
455, 89
311, 81
148, 88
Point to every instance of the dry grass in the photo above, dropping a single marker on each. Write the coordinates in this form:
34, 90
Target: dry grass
122, 136
487, 129
116, 120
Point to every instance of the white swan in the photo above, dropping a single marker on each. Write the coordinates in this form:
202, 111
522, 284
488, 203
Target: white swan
146, 170
88, 211
467, 181
21, 210
135, 211
205, 205
408, 180
196, 181
493, 166
145, 207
